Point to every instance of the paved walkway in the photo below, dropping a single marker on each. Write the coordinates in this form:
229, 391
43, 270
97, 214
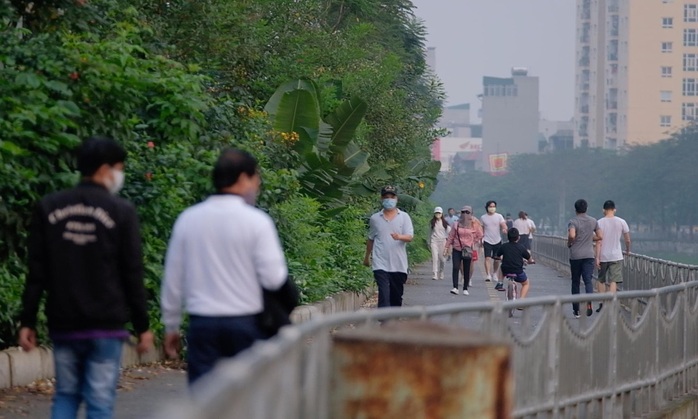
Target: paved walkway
144, 390
422, 290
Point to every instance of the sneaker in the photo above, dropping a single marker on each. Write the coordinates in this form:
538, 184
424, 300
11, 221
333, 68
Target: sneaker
454, 291
590, 310
465, 292
488, 278
470, 283
600, 307
499, 286
433, 279
575, 313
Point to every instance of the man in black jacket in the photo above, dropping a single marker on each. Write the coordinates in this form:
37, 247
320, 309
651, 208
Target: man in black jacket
85, 253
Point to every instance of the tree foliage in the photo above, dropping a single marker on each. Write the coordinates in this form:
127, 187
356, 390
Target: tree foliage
175, 91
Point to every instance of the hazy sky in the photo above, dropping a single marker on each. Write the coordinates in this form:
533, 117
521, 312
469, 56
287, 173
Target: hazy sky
474, 38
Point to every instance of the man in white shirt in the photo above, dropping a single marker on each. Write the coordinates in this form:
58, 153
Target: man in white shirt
222, 253
532, 227
525, 227
494, 226
386, 248
609, 259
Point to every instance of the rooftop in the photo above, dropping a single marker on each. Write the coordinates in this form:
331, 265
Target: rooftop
460, 106
488, 81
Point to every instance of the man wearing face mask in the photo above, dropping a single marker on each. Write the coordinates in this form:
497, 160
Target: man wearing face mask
386, 248
223, 253
85, 253
494, 225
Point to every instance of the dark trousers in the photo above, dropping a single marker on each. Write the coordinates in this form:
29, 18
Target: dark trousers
391, 285
581, 269
523, 240
210, 339
458, 260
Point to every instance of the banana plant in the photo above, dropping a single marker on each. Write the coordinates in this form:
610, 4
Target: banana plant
331, 160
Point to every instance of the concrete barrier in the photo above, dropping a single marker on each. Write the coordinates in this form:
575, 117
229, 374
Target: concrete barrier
5, 376
20, 368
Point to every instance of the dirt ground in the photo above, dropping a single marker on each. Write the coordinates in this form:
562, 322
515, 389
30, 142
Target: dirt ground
141, 392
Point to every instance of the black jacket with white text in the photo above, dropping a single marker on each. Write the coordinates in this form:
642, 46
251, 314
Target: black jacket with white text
85, 252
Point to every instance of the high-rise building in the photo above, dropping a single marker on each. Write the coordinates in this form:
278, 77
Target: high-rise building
637, 70
509, 118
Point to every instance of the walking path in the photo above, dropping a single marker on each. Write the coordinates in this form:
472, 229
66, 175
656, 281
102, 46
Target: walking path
144, 390
422, 290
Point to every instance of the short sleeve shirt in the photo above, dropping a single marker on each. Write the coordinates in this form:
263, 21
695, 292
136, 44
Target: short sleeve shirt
389, 255
613, 229
492, 224
513, 255
523, 226
583, 245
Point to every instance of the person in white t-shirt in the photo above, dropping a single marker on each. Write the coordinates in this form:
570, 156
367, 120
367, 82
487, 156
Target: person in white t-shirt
526, 228
532, 227
609, 259
494, 226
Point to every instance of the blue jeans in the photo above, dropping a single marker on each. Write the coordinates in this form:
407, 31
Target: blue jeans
86, 369
391, 286
210, 339
584, 269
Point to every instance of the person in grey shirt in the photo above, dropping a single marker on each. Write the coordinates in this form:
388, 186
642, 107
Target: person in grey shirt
582, 232
386, 248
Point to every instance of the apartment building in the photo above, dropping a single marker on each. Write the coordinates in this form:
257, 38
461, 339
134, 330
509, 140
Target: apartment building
510, 117
636, 70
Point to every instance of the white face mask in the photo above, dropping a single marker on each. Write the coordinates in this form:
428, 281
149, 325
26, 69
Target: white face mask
117, 181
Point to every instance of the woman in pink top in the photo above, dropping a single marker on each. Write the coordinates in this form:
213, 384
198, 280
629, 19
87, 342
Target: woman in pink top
464, 235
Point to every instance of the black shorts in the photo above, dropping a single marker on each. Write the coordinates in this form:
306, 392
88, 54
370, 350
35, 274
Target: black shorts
491, 249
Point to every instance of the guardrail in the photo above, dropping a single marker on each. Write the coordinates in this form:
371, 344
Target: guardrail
639, 272
636, 356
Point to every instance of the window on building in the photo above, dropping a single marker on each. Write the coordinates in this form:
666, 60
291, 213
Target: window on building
689, 87
690, 37
666, 71
665, 121
615, 25
690, 62
688, 111
665, 95
667, 47
667, 22
690, 12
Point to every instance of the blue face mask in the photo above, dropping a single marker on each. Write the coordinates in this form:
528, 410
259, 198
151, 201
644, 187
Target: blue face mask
389, 203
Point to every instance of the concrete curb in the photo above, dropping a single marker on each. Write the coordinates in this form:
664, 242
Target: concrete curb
20, 368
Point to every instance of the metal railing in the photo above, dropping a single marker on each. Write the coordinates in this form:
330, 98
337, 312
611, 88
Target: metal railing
639, 272
639, 353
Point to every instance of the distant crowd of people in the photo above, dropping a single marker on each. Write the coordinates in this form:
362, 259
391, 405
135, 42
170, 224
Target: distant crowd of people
464, 238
